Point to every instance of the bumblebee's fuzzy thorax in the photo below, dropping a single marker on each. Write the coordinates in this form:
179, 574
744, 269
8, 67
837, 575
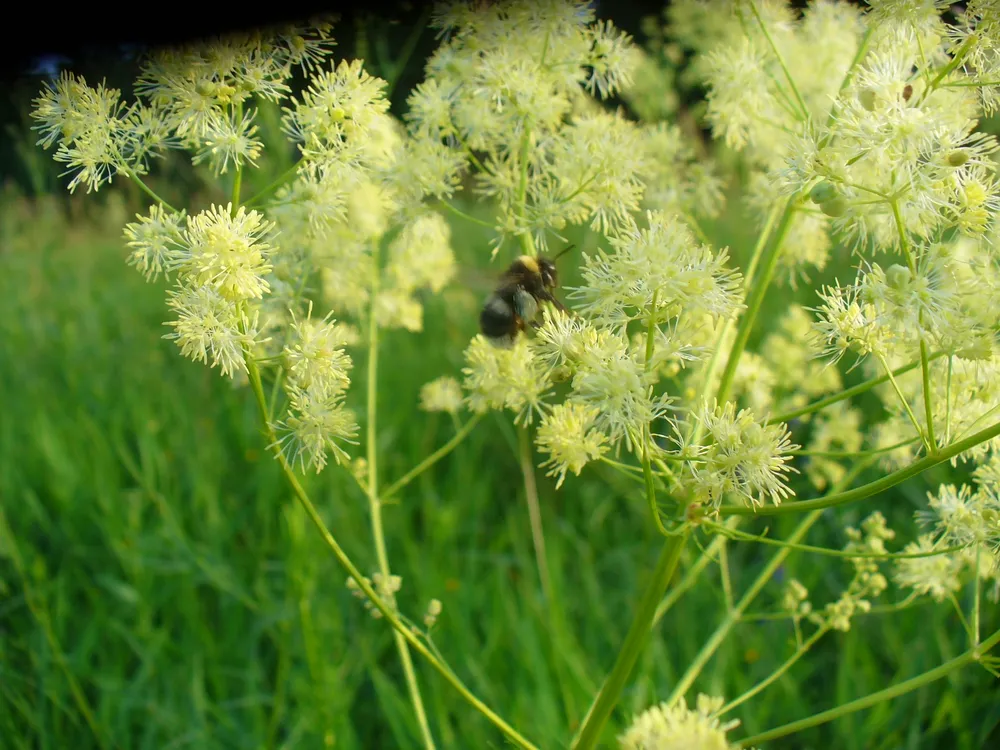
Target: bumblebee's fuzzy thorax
529, 263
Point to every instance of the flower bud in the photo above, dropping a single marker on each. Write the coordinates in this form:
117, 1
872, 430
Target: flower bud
957, 158
835, 207
867, 99
897, 277
822, 192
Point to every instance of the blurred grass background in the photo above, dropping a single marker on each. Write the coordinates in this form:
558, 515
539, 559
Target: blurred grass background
159, 587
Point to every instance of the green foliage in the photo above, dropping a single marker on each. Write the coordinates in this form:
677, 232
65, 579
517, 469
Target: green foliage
193, 605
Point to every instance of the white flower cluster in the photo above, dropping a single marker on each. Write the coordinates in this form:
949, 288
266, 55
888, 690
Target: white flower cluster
243, 276
966, 517
512, 82
641, 303
677, 727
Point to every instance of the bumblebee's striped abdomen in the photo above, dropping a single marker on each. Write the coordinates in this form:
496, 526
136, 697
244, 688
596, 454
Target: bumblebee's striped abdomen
498, 320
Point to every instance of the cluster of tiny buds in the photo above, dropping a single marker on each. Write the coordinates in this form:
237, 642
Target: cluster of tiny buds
385, 587
433, 610
795, 600
868, 581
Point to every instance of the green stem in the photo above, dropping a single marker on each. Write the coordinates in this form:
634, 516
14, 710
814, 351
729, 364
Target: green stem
534, 511
278, 182
272, 402
758, 250
873, 488
848, 77
976, 598
781, 62
433, 458
375, 503
237, 184
727, 584
931, 441
715, 361
928, 407
854, 454
754, 302
906, 404
947, 406
522, 188
647, 468
150, 192
690, 576
744, 536
589, 733
388, 612
952, 65
914, 683
552, 604
777, 673
407, 51
734, 615
849, 393
467, 217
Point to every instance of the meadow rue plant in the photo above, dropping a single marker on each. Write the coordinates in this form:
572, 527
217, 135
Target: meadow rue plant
857, 132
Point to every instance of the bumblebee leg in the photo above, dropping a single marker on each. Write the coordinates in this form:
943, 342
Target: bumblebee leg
548, 297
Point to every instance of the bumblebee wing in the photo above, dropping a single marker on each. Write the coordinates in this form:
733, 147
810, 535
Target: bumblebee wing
525, 304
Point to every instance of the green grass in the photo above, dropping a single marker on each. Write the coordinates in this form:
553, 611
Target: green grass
158, 562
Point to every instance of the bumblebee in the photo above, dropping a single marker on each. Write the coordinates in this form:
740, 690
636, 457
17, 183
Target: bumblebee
514, 304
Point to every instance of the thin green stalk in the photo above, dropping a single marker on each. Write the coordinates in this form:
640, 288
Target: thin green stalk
375, 503
969, 84
716, 359
589, 733
278, 182
755, 301
734, 615
873, 488
914, 683
781, 62
534, 511
522, 188
777, 673
275, 387
846, 394
150, 192
237, 185
647, 468
727, 584
952, 65
690, 576
407, 51
433, 458
467, 217
928, 406
947, 405
961, 615
859, 55
906, 404
743, 536
854, 454
976, 599
552, 604
758, 250
388, 612
931, 441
